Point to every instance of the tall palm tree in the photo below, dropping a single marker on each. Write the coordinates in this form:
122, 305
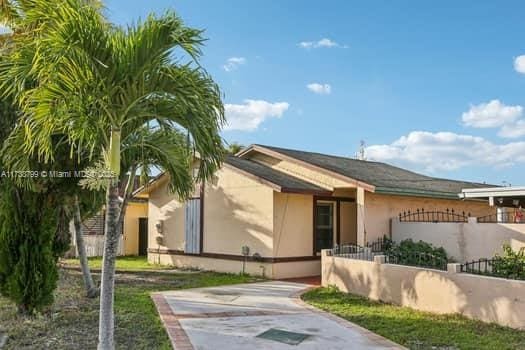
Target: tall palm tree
121, 90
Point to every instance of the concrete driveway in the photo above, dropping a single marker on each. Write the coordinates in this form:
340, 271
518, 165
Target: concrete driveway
267, 315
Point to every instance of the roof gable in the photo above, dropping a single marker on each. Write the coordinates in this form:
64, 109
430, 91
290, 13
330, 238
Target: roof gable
384, 177
276, 179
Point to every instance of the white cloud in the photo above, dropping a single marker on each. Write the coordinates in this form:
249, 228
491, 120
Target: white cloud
490, 115
321, 89
323, 43
249, 115
519, 64
513, 130
233, 63
446, 151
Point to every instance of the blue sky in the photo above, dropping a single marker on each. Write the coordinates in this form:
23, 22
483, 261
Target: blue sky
436, 87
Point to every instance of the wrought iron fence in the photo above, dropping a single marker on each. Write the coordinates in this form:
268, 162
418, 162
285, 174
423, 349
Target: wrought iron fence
417, 259
496, 267
352, 251
505, 218
380, 245
420, 215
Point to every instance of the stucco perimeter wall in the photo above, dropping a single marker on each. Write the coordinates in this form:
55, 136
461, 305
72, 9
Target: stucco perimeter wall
134, 211
485, 298
462, 241
380, 208
238, 211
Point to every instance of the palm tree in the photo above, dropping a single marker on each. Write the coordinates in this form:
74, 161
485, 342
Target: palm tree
120, 90
11, 14
234, 148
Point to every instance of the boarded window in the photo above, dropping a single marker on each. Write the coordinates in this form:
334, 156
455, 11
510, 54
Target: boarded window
192, 226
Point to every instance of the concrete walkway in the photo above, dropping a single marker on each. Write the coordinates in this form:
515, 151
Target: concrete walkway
237, 317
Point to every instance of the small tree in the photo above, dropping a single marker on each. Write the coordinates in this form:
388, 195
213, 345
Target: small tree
28, 276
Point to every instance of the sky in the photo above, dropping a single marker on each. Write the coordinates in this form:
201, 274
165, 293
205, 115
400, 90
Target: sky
435, 87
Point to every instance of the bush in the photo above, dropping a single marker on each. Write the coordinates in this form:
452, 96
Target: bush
511, 264
28, 271
420, 253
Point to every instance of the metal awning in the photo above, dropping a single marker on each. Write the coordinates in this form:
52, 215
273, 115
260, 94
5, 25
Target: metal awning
497, 196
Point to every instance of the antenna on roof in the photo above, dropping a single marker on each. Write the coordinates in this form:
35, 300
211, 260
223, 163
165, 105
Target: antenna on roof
361, 153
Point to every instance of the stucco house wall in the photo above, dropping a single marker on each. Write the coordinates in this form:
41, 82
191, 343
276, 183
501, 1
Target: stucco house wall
293, 224
134, 211
165, 207
380, 208
238, 211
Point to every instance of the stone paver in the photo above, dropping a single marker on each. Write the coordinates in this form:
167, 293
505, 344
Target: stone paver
231, 317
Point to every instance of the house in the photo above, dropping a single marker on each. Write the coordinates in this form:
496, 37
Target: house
271, 210
134, 238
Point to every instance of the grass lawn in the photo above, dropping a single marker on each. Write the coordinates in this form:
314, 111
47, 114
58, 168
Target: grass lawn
72, 322
123, 263
416, 329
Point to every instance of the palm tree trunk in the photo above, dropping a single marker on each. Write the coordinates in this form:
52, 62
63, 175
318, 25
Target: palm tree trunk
107, 289
106, 325
91, 289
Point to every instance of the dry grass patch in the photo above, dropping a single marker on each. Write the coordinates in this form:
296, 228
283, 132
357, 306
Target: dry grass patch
72, 322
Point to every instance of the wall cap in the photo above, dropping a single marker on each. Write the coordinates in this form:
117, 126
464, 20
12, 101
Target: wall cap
380, 259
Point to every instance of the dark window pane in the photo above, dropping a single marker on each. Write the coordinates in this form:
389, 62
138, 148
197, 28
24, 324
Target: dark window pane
324, 226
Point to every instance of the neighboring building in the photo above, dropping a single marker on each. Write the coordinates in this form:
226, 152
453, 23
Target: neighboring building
134, 238
285, 206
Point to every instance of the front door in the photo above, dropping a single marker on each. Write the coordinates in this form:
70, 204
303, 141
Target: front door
324, 226
143, 236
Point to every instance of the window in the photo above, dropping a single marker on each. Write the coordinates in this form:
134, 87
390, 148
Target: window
324, 226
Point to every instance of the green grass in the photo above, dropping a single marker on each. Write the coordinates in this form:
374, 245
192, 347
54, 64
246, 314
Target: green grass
416, 329
72, 322
123, 263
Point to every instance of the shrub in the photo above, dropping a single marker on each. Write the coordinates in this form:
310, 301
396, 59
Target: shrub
511, 264
28, 271
420, 253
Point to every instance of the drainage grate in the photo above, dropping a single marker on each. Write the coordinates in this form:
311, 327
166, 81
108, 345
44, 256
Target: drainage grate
290, 338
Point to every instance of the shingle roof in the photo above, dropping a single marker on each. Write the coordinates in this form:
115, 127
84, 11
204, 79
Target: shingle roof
385, 177
287, 182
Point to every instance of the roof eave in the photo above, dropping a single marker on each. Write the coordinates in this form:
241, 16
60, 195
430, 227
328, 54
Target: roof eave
416, 193
282, 156
275, 186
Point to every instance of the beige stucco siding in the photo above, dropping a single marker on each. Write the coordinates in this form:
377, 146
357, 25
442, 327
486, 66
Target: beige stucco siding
348, 223
238, 211
293, 224
134, 211
380, 208
164, 206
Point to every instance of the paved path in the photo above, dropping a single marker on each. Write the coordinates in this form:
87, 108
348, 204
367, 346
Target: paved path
231, 317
